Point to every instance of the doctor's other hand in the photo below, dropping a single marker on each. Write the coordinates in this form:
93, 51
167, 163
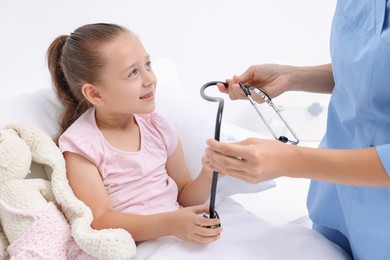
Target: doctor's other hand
190, 225
252, 160
273, 79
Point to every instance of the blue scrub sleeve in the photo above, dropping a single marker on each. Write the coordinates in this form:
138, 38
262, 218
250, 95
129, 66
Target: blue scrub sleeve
384, 155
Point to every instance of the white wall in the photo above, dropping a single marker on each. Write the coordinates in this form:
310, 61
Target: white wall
207, 39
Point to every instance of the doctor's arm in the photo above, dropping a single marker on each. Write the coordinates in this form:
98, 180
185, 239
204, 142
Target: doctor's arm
255, 160
276, 79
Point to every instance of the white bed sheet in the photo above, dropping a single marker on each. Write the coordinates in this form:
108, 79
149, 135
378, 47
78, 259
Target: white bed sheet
247, 237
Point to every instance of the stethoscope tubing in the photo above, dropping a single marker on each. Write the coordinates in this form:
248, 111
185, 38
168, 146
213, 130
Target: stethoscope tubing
217, 133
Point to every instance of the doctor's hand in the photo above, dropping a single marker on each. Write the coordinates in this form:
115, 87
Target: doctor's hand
189, 224
270, 78
252, 160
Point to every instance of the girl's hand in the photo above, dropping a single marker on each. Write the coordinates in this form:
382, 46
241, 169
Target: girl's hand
190, 225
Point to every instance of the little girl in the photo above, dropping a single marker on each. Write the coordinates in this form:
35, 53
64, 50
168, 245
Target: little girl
123, 159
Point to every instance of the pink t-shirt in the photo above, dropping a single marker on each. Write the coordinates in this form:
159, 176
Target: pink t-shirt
136, 182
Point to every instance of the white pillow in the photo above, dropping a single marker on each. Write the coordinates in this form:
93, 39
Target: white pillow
194, 124
40, 107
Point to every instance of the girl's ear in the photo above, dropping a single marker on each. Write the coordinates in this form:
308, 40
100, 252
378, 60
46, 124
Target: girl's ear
91, 93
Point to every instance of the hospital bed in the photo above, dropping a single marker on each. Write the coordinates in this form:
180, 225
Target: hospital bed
250, 230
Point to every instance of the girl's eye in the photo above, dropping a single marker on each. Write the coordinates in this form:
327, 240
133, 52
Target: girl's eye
148, 65
132, 73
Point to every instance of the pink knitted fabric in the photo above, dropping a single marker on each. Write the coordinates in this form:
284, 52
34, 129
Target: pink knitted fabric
48, 237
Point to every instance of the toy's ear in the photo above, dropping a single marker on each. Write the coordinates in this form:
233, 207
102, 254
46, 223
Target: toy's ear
4, 131
9, 130
43, 149
15, 154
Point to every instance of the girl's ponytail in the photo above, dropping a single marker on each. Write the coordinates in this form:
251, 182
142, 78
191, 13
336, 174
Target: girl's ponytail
78, 59
60, 83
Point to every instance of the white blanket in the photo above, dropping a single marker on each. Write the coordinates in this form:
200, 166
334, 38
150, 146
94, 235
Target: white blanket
247, 237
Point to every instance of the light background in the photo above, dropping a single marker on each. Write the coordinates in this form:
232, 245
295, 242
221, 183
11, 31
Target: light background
207, 40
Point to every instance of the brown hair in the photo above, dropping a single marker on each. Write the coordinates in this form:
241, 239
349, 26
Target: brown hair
75, 60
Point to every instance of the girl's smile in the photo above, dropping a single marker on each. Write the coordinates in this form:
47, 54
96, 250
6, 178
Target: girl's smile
148, 97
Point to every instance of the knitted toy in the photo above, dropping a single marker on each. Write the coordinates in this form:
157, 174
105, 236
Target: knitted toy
46, 207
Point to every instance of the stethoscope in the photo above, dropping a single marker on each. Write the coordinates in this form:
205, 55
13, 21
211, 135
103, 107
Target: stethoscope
217, 132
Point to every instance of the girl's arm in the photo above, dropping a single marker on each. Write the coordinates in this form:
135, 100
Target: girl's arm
191, 192
187, 224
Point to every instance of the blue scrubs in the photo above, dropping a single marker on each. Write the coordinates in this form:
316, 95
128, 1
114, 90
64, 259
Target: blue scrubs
357, 218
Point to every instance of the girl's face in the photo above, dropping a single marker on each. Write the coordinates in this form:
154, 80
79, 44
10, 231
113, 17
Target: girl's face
128, 83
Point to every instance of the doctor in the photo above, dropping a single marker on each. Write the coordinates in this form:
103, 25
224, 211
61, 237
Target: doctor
349, 196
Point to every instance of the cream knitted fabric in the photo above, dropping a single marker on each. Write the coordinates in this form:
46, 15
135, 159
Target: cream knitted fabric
103, 244
3, 244
47, 238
